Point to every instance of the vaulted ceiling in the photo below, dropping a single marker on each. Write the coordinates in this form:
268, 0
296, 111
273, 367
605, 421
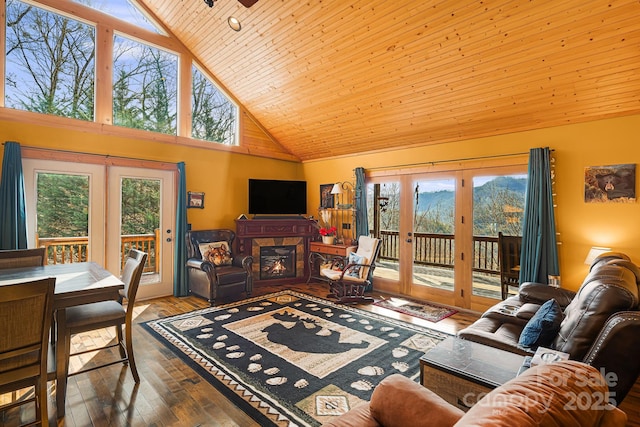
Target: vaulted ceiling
334, 77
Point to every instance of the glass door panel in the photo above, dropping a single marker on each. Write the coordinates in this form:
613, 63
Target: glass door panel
383, 205
498, 206
140, 222
434, 233
141, 216
62, 206
64, 210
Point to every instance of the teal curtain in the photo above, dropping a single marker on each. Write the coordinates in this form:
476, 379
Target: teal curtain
362, 222
180, 285
13, 214
539, 256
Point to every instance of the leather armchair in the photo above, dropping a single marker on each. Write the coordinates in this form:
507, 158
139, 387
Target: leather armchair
600, 326
215, 275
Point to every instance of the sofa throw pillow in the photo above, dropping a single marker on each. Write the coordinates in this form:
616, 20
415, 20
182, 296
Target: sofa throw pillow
356, 270
542, 328
217, 253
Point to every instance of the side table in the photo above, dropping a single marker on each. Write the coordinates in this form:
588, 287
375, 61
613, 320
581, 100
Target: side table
463, 372
320, 253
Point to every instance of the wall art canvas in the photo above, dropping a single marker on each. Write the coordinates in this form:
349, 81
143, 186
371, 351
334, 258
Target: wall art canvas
326, 198
195, 200
614, 183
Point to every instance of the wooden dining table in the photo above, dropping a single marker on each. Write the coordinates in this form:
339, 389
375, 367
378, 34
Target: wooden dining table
76, 284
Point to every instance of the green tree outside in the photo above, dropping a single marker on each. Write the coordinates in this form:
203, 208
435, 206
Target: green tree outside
63, 205
50, 69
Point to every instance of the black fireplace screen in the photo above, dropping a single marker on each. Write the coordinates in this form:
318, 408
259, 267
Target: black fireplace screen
277, 262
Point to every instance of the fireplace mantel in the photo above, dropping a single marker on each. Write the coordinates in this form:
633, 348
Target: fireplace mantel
276, 231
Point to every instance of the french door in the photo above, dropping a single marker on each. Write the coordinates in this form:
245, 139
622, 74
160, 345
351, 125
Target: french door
141, 215
439, 230
94, 212
435, 236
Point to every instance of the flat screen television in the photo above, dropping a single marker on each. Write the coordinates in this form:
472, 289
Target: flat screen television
277, 197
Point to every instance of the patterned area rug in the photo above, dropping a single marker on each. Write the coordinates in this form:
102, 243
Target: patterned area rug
291, 359
430, 312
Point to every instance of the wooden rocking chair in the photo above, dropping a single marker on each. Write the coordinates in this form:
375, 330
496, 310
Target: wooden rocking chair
350, 278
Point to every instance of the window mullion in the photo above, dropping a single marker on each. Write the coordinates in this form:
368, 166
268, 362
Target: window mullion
184, 95
104, 75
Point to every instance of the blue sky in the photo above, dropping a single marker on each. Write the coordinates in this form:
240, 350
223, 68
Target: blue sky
436, 185
122, 9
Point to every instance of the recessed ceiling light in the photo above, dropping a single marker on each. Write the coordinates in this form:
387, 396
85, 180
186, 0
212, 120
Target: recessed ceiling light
234, 23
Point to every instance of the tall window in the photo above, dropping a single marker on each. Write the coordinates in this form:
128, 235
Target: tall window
144, 86
50, 62
51, 59
214, 116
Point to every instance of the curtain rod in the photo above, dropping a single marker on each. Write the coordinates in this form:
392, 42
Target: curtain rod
436, 162
104, 156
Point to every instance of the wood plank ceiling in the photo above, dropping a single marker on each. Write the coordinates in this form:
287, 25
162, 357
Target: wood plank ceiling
333, 77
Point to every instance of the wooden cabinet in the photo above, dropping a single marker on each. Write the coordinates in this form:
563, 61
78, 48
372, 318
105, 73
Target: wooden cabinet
320, 253
336, 250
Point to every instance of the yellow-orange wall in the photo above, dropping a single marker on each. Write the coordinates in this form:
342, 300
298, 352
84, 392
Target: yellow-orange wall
223, 176
581, 225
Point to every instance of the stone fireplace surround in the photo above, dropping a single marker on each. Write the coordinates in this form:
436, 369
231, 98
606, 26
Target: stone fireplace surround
251, 234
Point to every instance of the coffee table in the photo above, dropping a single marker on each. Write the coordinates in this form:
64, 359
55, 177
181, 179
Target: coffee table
462, 371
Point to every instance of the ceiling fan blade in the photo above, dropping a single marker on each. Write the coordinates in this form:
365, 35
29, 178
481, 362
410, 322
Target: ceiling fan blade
248, 3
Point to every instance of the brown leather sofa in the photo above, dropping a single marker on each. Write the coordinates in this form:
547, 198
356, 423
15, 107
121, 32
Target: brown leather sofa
564, 394
218, 272
600, 324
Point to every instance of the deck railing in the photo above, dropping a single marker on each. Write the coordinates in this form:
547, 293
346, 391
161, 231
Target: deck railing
438, 250
430, 249
64, 250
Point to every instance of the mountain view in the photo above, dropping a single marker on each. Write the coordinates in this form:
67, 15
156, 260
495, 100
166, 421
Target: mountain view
445, 198
498, 206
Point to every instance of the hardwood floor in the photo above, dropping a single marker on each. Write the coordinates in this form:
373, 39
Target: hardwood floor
169, 393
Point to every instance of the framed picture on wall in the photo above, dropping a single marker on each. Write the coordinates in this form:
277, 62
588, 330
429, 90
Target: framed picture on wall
195, 200
614, 183
326, 198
